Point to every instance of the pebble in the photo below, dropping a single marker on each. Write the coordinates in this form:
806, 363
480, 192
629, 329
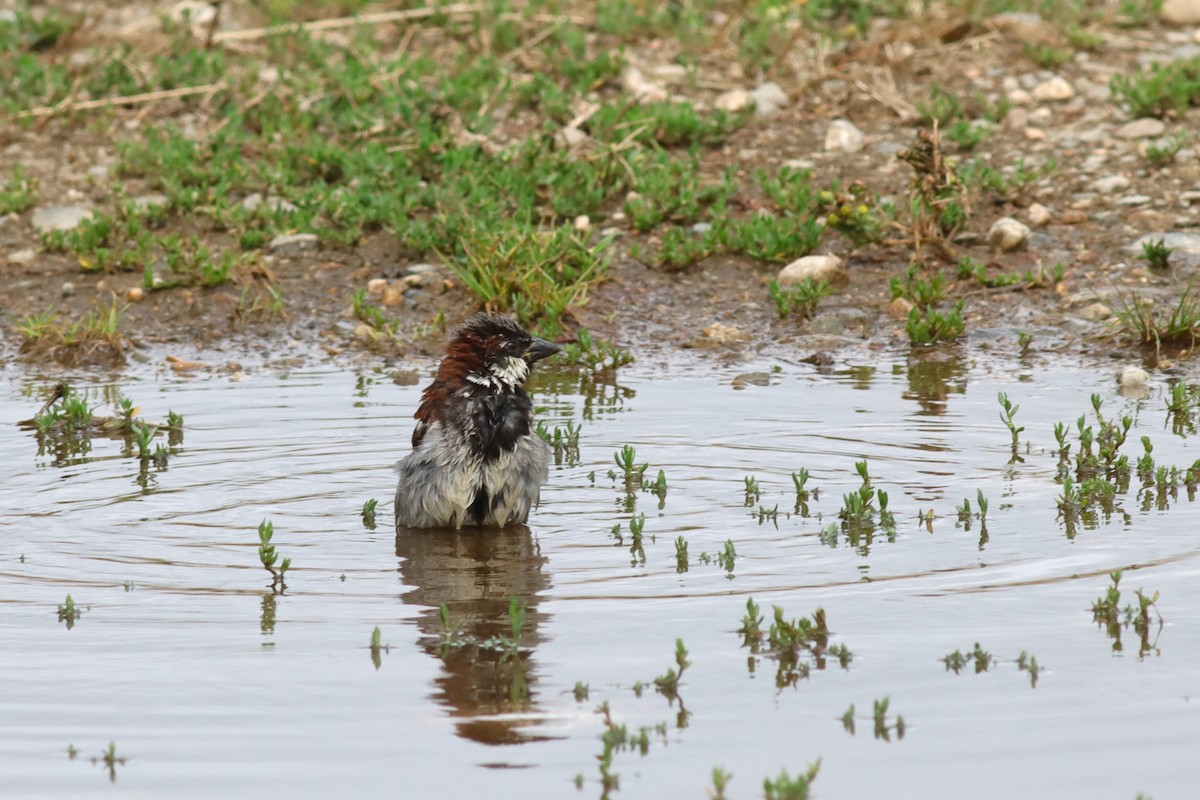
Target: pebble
582, 223
376, 285
135, 294
293, 245
844, 136
1008, 234
147, 201
1094, 312
1020, 97
669, 74
569, 138
768, 99
1185, 199
732, 101
1180, 12
642, 90
59, 218
1144, 128
252, 201
1130, 375
720, 333
827, 268
67, 289
392, 297
751, 379
1110, 184
1038, 215
1134, 200
22, 257
701, 228
1054, 90
899, 308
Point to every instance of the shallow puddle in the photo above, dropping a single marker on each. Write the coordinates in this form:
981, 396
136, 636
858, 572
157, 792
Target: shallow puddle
207, 683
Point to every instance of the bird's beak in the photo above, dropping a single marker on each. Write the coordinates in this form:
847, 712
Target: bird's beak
540, 349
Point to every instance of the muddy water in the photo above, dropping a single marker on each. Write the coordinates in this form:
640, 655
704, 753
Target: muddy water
209, 684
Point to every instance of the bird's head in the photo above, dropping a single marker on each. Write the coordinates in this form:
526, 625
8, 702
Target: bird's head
493, 350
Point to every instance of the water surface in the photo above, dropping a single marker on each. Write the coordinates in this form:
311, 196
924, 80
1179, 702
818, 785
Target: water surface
207, 682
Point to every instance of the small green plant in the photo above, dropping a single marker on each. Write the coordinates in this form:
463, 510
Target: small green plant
930, 327
68, 612
751, 630
803, 493
594, 354
1107, 612
882, 729
753, 492
563, 441
681, 554
668, 683
1024, 339
580, 691
368, 513
1029, 663
626, 460
800, 298
1156, 254
19, 192
791, 787
957, 660
269, 557
1008, 411
1162, 153
378, 648
720, 780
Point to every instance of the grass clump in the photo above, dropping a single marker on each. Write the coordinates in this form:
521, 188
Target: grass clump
1147, 324
1162, 90
94, 337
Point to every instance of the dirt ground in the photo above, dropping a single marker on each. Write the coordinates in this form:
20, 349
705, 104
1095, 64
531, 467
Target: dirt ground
877, 82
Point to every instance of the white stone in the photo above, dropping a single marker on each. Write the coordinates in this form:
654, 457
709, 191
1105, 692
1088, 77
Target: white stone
1038, 215
733, 100
1020, 97
569, 138
22, 257
844, 136
720, 333
642, 90
1054, 90
1180, 12
293, 245
769, 99
669, 74
1110, 184
376, 285
59, 218
1130, 375
252, 201
1094, 312
582, 223
147, 201
1144, 128
827, 268
1008, 234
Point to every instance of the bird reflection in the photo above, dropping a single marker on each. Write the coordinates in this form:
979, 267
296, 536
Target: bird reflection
486, 681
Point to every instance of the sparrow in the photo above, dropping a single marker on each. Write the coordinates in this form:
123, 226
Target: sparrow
476, 460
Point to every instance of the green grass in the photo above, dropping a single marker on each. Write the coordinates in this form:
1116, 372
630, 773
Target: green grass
1161, 90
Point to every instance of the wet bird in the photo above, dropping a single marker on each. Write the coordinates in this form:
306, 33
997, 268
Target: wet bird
476, 460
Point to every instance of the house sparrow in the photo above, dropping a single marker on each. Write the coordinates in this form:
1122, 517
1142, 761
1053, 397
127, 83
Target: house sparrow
476, 459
